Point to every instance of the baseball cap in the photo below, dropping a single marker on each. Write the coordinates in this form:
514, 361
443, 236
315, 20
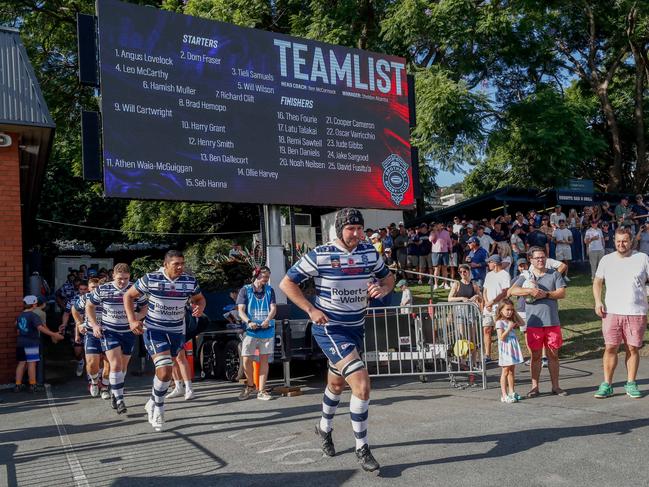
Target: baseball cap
470, 225
473, 240
521, 261
495, 259
30, 299
402, 282
375, 235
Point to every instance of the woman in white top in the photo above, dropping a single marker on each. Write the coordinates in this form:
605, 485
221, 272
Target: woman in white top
505, 252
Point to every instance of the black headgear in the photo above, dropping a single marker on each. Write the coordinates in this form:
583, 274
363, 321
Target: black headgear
347, 216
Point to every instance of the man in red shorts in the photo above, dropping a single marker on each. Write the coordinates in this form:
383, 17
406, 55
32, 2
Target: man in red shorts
542, 288
624, 311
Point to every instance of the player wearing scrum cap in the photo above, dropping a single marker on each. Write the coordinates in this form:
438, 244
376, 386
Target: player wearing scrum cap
344, 272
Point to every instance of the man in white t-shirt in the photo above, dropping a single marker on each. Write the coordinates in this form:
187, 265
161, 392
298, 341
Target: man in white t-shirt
624, 310
594, 238
486, 242
494, 290
557, 216
563, 239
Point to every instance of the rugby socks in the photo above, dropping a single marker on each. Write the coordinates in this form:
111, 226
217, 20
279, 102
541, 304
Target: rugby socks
158, 393
105, 382
330, 402
94, 378
116, 380
188, 385
358, 410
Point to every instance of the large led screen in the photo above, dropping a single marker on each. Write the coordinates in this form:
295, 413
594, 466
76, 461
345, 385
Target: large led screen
198, 110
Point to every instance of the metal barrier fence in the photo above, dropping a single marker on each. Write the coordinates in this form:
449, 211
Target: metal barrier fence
427, 339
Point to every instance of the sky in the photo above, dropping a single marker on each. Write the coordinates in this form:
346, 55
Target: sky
445, 178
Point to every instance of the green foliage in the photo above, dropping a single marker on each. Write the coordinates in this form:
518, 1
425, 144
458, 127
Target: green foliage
142, 265
210, 264
538, 144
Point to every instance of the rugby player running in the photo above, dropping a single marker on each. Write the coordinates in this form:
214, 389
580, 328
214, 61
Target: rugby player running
117, 340
344, 272
167, 292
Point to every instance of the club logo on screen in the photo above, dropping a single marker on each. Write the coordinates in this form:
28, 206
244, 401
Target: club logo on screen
395, 177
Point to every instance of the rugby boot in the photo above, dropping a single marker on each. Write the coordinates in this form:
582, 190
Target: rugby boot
366, 459
327, 442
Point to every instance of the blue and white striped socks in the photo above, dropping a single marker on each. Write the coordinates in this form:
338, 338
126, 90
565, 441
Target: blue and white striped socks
330, 402
116, 380
158, 392
358, 410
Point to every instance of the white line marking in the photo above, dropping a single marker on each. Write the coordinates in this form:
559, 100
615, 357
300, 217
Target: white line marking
78, 474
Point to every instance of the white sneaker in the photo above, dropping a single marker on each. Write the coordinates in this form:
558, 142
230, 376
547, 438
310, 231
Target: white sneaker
105, 394
263, 396
94, 390
189, 394
158, 420
177, 392
80, 366
149, 407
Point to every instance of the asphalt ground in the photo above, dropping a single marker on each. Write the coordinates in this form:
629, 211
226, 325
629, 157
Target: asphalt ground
421, 433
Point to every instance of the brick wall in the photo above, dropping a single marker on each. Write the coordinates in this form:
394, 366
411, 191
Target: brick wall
11, 258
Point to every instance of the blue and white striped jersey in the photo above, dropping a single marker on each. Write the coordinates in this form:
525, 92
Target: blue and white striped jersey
111, 299
341, 279
80, 306
167, 300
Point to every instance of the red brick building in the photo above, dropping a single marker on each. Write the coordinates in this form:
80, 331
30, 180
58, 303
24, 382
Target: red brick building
26, 135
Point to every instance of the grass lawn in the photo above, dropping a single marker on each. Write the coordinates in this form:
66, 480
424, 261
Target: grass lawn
582, 333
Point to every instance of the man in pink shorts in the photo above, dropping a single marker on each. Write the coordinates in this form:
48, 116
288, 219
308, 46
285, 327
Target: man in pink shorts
624, 311
542, 288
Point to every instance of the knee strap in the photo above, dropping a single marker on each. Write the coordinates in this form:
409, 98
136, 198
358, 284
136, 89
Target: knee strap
164, 361
353, 366
333, 369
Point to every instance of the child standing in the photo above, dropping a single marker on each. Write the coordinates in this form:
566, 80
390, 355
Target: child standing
28, 326
509, 351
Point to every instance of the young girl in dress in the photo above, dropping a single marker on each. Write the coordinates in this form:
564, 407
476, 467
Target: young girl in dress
509, 351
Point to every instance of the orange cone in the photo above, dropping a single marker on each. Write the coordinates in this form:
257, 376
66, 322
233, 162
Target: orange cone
189, 353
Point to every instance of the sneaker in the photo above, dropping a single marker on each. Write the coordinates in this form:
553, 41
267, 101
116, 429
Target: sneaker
245, 393
516, 396
509, 399
366, 459
121, 407
149, 407
544, 362
94, 390
158, 420
177, 392
19, 387
189, 394
528, 362
263, 396
327, 442
113, 402
487, 359
80, 366
631, 389
105, 394
605, 390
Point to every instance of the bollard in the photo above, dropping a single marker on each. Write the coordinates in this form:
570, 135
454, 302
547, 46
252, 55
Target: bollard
189, 354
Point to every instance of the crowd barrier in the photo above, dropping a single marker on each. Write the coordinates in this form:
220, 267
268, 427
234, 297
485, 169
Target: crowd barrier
443, 339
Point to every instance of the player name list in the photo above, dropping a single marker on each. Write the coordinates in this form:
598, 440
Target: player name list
223, 135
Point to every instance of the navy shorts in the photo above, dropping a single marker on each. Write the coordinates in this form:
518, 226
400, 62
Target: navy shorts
113, 339
338, 342
157, 341
439, 258
92, 344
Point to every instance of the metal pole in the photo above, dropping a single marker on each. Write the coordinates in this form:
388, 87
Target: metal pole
275, 250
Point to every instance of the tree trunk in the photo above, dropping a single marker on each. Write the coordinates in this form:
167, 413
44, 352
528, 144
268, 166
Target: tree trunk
615, 171
641, 173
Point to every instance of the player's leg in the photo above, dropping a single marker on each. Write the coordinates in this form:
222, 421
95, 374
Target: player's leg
185, 374
116, 376
92, 348
105, 381
330, 402
355, 374
163, 348
179, 387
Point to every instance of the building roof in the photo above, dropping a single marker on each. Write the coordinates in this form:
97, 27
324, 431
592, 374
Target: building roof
23, 111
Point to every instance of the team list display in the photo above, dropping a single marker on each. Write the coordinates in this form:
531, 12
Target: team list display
198, 110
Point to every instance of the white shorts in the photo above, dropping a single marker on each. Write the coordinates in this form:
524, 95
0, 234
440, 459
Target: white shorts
250, 344
563, 252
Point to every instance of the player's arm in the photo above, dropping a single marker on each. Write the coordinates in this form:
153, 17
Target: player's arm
295, 294
129, 298
78, 320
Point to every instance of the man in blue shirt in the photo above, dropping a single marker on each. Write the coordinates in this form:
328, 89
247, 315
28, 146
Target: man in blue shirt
345, 273
257, 308
477, 260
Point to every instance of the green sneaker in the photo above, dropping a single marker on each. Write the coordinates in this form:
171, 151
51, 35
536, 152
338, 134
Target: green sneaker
631, 389
605, 390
